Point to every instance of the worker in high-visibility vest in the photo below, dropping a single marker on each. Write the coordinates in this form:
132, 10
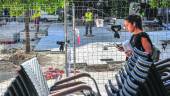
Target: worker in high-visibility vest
36, 18
88, 22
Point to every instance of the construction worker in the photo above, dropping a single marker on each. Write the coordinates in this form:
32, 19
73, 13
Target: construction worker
61, 43
88, 22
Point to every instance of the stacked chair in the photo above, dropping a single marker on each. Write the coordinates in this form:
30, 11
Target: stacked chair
31, 82
141, 77
163, 67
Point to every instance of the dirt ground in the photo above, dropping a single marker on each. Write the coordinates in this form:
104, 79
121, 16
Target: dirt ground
10, 62
47, 59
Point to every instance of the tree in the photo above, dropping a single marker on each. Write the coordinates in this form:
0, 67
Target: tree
164, 6
24, 7
120, 8
159, 3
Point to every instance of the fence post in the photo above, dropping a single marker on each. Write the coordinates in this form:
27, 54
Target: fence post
74, 38
66, 36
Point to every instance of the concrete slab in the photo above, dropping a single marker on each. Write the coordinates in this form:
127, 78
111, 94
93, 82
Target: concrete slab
48, 43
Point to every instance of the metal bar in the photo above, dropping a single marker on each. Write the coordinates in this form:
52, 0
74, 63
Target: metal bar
74, 38
66, 36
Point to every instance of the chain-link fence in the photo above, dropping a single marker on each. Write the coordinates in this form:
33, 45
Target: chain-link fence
93, 53
46, 36
96, 53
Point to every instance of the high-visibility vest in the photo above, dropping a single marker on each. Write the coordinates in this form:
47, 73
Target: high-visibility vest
35, 15
88, 16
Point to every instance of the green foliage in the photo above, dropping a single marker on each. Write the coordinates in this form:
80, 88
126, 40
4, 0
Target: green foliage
19, 7
120, 8
159, 4
165, 3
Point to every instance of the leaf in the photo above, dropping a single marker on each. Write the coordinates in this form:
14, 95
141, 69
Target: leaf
18, 7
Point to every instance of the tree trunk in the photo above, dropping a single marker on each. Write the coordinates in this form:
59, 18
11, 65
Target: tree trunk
37, 26
27, 36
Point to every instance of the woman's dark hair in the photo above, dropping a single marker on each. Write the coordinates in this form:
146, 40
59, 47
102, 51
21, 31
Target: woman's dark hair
136, 20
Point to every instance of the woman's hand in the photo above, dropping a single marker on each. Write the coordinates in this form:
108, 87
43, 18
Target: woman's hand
128, 53
120, 48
